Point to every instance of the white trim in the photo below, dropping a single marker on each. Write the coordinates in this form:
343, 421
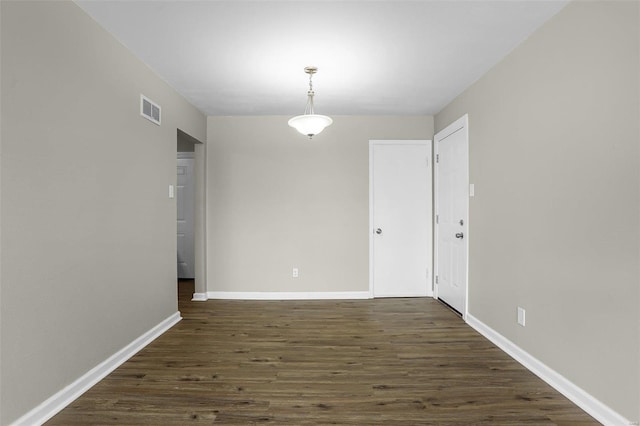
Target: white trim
429, 143
287, 295
199, 297
462, 122
371, 224
436, 227
577, 395
200, 218
186, 155
67, 395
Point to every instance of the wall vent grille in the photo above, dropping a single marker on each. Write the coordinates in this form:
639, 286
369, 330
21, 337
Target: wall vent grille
149, 109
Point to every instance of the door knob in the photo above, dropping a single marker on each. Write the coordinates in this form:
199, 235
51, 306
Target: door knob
459, 235
378, 231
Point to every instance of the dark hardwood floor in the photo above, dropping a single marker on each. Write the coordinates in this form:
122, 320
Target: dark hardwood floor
366, 362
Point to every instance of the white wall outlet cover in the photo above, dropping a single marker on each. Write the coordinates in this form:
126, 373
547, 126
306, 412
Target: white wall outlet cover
472, 190
295, 273
172, 192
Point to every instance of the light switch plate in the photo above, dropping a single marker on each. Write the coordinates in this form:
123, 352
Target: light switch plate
521, 316
172, 191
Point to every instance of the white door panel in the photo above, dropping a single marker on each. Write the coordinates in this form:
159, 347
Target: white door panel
401, 218
452, 198
185, 214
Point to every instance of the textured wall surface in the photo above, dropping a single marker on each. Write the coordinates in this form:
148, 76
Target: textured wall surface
554, 225
277, 200
88, 231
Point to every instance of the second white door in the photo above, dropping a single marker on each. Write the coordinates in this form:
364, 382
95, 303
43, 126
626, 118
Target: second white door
185, 202
401, 218
452, 214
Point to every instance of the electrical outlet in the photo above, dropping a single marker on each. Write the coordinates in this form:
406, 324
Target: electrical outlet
521, 316
295, 273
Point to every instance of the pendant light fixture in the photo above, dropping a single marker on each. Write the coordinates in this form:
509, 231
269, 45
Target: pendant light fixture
310, 123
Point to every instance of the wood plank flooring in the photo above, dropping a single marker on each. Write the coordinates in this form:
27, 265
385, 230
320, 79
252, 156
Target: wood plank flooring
366, 362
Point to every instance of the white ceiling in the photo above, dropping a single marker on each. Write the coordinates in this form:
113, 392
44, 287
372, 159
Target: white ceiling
373, 57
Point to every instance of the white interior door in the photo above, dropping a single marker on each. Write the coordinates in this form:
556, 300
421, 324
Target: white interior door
185, 201
452, 214
400, 218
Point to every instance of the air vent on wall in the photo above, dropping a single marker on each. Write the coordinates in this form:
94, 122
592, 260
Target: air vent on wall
149, 109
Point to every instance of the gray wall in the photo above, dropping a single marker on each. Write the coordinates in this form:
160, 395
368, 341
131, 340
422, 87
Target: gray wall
277, 200
88, 231
554, 224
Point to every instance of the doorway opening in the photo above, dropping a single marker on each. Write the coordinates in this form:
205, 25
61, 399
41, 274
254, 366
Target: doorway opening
190, 216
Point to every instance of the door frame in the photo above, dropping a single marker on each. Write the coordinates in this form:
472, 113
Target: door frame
462, 122
372, 143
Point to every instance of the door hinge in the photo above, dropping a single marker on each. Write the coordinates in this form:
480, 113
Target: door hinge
436, 279
437, 219
437, 158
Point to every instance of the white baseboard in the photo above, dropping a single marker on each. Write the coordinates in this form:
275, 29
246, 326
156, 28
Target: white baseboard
199, 297
283, 295
577, 395
67, 395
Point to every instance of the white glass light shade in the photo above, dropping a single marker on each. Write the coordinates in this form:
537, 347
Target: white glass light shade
310, 124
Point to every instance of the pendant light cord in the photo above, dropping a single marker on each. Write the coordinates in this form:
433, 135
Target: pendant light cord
309, 108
